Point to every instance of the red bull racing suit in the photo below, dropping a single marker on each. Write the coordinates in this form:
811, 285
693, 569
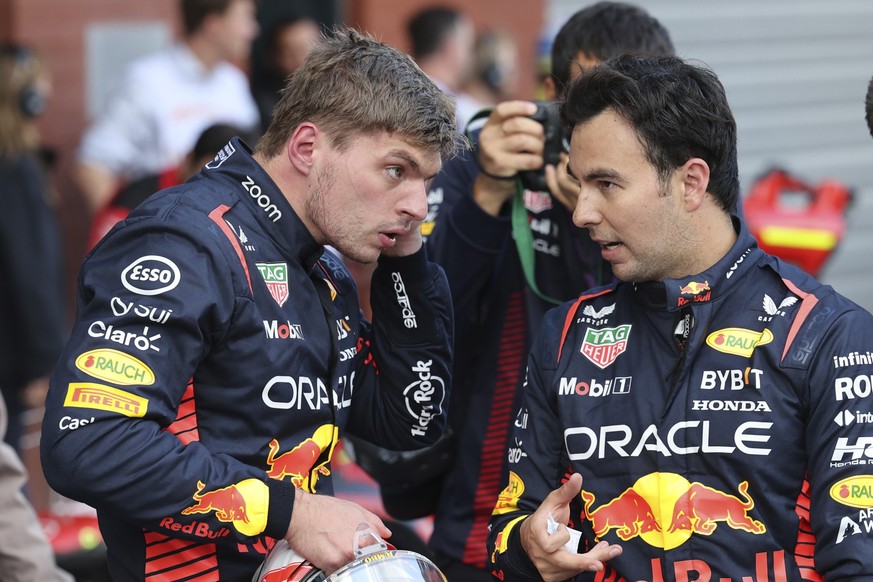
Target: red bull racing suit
721, 424
218, 355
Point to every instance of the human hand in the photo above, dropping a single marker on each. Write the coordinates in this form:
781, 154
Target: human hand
323, 529
406, 243
546, 550
564, 188
509, 142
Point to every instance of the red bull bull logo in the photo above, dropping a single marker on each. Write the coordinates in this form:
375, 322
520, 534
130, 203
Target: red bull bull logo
243, 504
305, 462
694, 288
665, 510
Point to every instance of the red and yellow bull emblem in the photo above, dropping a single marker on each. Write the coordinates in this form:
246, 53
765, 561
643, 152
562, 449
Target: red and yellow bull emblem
738, 341
602, 346
243, 504
665, 510
854, 491
694, 288
306, 461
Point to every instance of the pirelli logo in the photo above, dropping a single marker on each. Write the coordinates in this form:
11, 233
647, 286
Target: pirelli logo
100, 397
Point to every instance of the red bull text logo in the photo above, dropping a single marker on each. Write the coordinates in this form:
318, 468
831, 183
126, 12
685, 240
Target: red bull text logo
665, 510
243, 504
306, 461
603, 346
695, 289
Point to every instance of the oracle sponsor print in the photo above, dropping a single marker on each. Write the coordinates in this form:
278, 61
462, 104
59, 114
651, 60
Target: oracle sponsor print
602, 346
424, 397
142, 341
151, 275
295, 393
99, 397
275, 276
852, 387
243, 505
738, 341
403, 301
595, 388
621, 440
854, 491
116, 367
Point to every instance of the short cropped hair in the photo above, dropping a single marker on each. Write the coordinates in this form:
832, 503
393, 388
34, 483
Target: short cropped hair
605, 30
678, 110
351, 84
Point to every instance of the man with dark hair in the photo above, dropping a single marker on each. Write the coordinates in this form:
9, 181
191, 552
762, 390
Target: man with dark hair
219, 353
497, 308
163, 101
442, 41
703, 417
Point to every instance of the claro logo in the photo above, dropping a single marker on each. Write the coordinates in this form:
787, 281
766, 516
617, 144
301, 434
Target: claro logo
151, 275
261, 199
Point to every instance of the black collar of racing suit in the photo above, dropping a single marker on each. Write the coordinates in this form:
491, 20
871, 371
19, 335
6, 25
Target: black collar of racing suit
674, 294
235, 166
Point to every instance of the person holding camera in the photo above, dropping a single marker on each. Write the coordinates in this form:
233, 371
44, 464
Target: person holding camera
504, 273
707, 416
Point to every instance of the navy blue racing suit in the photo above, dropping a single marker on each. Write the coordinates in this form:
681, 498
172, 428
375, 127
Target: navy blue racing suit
218, 355
721, 424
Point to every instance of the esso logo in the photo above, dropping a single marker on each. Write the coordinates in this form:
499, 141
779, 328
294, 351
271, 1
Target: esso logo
151, 275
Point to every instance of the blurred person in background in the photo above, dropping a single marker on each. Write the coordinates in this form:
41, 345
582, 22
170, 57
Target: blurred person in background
288, 42
132, 195
442, 40
165, 100
32, 324
494, 76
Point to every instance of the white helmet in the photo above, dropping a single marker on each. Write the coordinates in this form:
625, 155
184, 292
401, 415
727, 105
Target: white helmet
376, 562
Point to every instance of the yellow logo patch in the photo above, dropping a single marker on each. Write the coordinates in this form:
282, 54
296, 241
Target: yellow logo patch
115, 367
855, 491
738, 341
100, 397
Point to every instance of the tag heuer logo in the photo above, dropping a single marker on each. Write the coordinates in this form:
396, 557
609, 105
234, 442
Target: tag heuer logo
276, 277
603, 346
